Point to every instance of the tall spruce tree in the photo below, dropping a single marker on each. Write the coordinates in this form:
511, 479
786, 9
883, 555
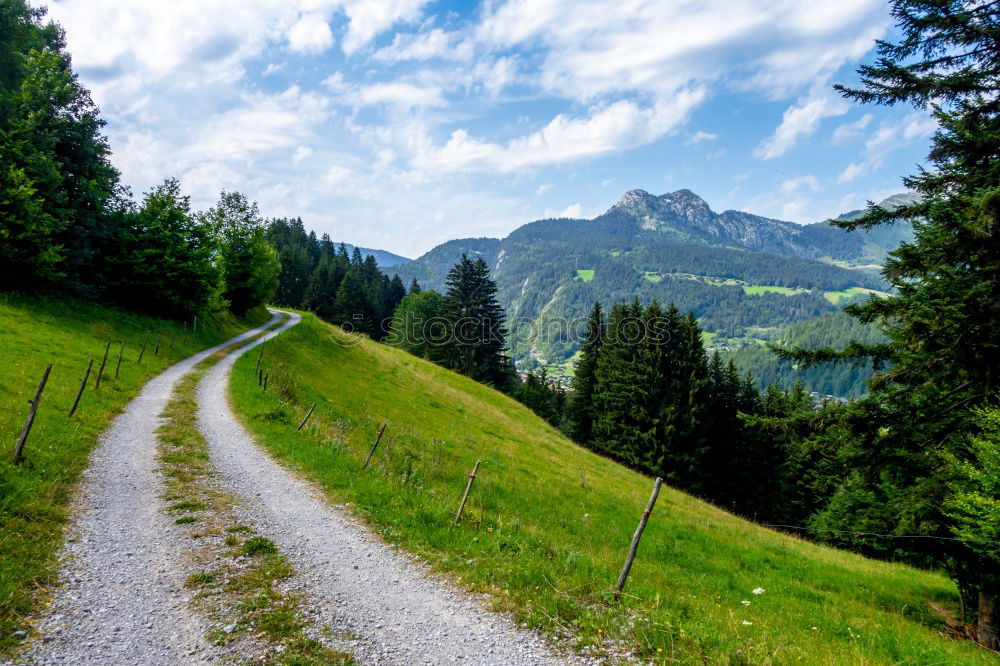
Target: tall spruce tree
943, 323
581, 409
476, 326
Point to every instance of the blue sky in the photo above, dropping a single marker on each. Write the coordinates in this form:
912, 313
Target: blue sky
400, 124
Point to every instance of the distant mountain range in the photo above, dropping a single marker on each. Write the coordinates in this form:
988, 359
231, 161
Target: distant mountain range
745, 276
383, 257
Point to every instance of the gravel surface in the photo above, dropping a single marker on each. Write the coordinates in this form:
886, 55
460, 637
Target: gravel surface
356, 584
122, 599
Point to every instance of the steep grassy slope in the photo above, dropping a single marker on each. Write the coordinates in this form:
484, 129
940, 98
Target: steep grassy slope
34, 495
548, 523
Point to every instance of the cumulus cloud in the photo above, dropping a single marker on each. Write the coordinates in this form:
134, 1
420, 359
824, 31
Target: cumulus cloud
700, 136
310, 34
890, 136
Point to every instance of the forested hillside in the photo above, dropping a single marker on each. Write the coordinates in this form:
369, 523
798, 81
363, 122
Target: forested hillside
550, 272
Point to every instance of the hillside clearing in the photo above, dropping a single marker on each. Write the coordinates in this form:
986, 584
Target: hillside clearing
548, 523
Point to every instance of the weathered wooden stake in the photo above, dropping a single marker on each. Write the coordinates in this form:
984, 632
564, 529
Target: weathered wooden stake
260, 358
171, 347
194, 326
143, 350
121, 351
260, 376
19, 447
83, 385
156, 351
266, 375
635, 538
104, 360
468, 489
310, 413
372, 452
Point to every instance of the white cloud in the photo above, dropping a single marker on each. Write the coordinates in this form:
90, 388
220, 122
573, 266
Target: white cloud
435, 43
573, 210
801, 119
851, 131
700, 136
336, 174
301, 153
613, 128
543, 188
403, 95
368, 18
890, 136
310, 34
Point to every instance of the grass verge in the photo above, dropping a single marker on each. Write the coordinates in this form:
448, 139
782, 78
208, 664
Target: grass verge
35, 496
548, 523
238, 575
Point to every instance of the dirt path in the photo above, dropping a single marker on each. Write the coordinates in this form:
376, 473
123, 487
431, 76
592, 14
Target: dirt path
122, 599
357, 585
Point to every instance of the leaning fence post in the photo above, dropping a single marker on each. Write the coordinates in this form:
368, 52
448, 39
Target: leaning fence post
104, 360
143, 350
372, 452
156, 351
308, 414
83, 385
636, 537
468, 489
266, 375
19, 447
121, 351
260, 358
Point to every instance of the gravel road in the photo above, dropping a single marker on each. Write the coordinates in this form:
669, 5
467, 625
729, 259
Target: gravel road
354, 582
121, 599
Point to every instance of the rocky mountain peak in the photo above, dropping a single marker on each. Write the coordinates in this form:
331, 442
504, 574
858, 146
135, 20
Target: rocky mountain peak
636, 199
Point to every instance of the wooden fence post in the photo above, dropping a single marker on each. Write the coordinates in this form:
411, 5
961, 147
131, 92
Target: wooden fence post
83, 385
260, 358
635, 538
266, 375
468, 489
156, 350
310, 413
260, 376
104, 360
372, 452
143, 350
194, 326
19, 447
121, 351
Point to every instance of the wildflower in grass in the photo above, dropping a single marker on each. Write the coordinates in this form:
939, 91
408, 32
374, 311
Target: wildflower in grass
815, 628
747, 624
745, 602
758, 590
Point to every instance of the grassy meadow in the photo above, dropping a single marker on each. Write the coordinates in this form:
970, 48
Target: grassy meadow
548, 523
35, 495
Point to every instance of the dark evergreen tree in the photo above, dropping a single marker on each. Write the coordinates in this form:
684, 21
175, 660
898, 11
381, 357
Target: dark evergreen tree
581, 413
942, 360
476, 326
414, 286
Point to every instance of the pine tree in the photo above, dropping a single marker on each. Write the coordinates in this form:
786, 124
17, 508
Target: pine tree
477, 334
581, 416
942, 360
414, 286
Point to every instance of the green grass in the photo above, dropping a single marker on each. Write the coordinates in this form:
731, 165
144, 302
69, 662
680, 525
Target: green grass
34, 496
653, 277
585, 274
836, 297
758, 290
548, 523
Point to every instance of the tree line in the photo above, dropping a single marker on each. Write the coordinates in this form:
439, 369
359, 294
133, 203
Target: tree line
67, 222
344, 289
